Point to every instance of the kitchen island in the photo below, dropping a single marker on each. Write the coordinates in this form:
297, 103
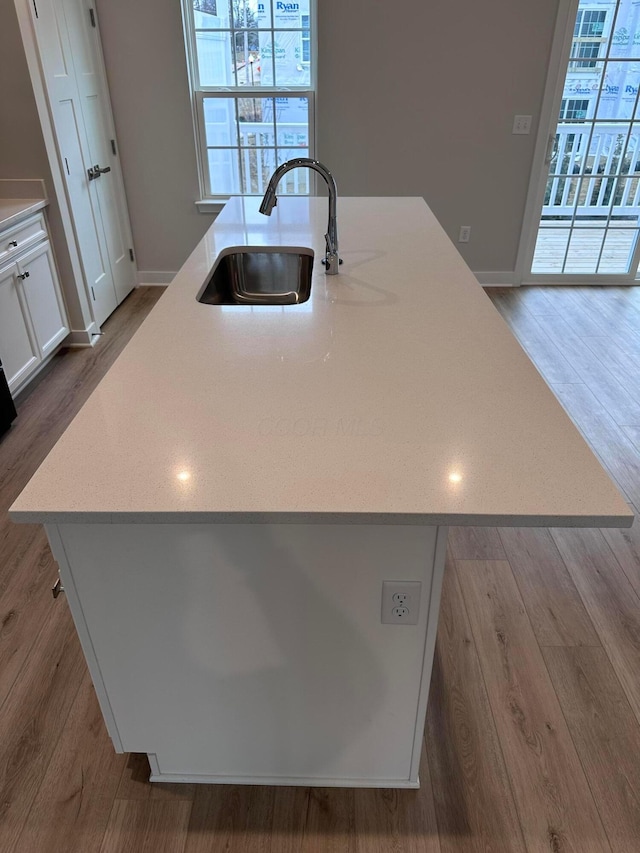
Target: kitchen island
229, 503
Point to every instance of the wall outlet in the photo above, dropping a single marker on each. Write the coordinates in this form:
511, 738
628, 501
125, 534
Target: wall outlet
522, 125
401, 602
465, 234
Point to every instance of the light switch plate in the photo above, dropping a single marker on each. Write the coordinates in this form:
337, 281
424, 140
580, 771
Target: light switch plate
401, 602
522, 124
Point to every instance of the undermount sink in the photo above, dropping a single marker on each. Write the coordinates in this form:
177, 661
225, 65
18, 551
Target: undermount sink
265, 275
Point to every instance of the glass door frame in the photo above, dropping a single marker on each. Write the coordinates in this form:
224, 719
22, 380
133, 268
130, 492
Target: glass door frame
554, 91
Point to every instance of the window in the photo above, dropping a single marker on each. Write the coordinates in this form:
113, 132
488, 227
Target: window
573, 109
306, 38
252, 71
588, 37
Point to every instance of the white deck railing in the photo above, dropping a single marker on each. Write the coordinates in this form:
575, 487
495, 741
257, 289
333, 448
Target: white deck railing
597, 182
258, 164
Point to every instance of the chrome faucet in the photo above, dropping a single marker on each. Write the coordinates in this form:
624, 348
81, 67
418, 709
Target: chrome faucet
331, 259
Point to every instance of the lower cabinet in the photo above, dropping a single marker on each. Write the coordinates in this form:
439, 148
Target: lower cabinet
33, 318
18, 349
256, 653
43, 298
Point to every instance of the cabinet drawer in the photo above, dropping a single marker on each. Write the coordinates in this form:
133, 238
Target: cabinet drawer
14, 240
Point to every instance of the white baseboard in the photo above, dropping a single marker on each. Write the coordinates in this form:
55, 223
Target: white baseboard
79, 338
496, 279
151, 277
289, 781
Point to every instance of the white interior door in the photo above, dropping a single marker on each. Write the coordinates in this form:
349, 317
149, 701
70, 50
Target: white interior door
96, 110
77, 104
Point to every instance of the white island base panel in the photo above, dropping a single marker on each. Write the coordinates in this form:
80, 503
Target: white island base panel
255, 653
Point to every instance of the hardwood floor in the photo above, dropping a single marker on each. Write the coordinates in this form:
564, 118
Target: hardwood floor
532, 740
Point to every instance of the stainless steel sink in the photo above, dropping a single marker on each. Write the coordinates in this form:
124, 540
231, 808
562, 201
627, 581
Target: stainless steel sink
265, 275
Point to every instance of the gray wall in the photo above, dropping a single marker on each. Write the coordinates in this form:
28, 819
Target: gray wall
145, 58
22, 151
414, 99
431, 113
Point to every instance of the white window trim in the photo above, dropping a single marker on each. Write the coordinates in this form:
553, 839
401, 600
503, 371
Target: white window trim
213, 203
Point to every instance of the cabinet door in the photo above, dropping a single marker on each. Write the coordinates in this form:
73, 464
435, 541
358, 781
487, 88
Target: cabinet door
18, 348
43, 297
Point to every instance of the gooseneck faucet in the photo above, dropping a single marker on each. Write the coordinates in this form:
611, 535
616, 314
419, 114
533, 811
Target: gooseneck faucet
332, 258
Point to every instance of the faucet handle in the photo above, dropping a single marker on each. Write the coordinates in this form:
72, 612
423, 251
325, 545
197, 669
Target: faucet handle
331, 260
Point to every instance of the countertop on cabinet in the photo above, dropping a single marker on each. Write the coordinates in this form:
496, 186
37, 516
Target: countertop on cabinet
12, 210
396, 394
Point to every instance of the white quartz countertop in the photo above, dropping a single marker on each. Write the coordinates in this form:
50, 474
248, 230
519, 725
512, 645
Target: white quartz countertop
396, 394
12, 210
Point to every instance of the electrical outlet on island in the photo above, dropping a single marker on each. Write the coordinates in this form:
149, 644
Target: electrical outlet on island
401, 602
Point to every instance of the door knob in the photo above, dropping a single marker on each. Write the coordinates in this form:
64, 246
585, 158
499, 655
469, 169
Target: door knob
24, 275
95, 171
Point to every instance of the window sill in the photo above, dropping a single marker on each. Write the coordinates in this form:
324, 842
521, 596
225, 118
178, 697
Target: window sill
211, 205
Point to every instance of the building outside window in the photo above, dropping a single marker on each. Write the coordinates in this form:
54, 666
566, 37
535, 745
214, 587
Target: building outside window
588, 38
572, 109
606, 77
252, 71
306, 38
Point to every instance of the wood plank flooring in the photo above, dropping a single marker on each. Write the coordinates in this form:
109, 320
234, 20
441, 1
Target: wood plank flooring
532, 740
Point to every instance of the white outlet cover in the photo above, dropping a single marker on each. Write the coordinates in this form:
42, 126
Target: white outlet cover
392, 613
522, 125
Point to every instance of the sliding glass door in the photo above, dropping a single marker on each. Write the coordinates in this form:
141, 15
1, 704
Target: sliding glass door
589, 222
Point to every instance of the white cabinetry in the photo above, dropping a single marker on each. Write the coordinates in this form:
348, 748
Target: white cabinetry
43, 297
18, 350
255, 653
33, 319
